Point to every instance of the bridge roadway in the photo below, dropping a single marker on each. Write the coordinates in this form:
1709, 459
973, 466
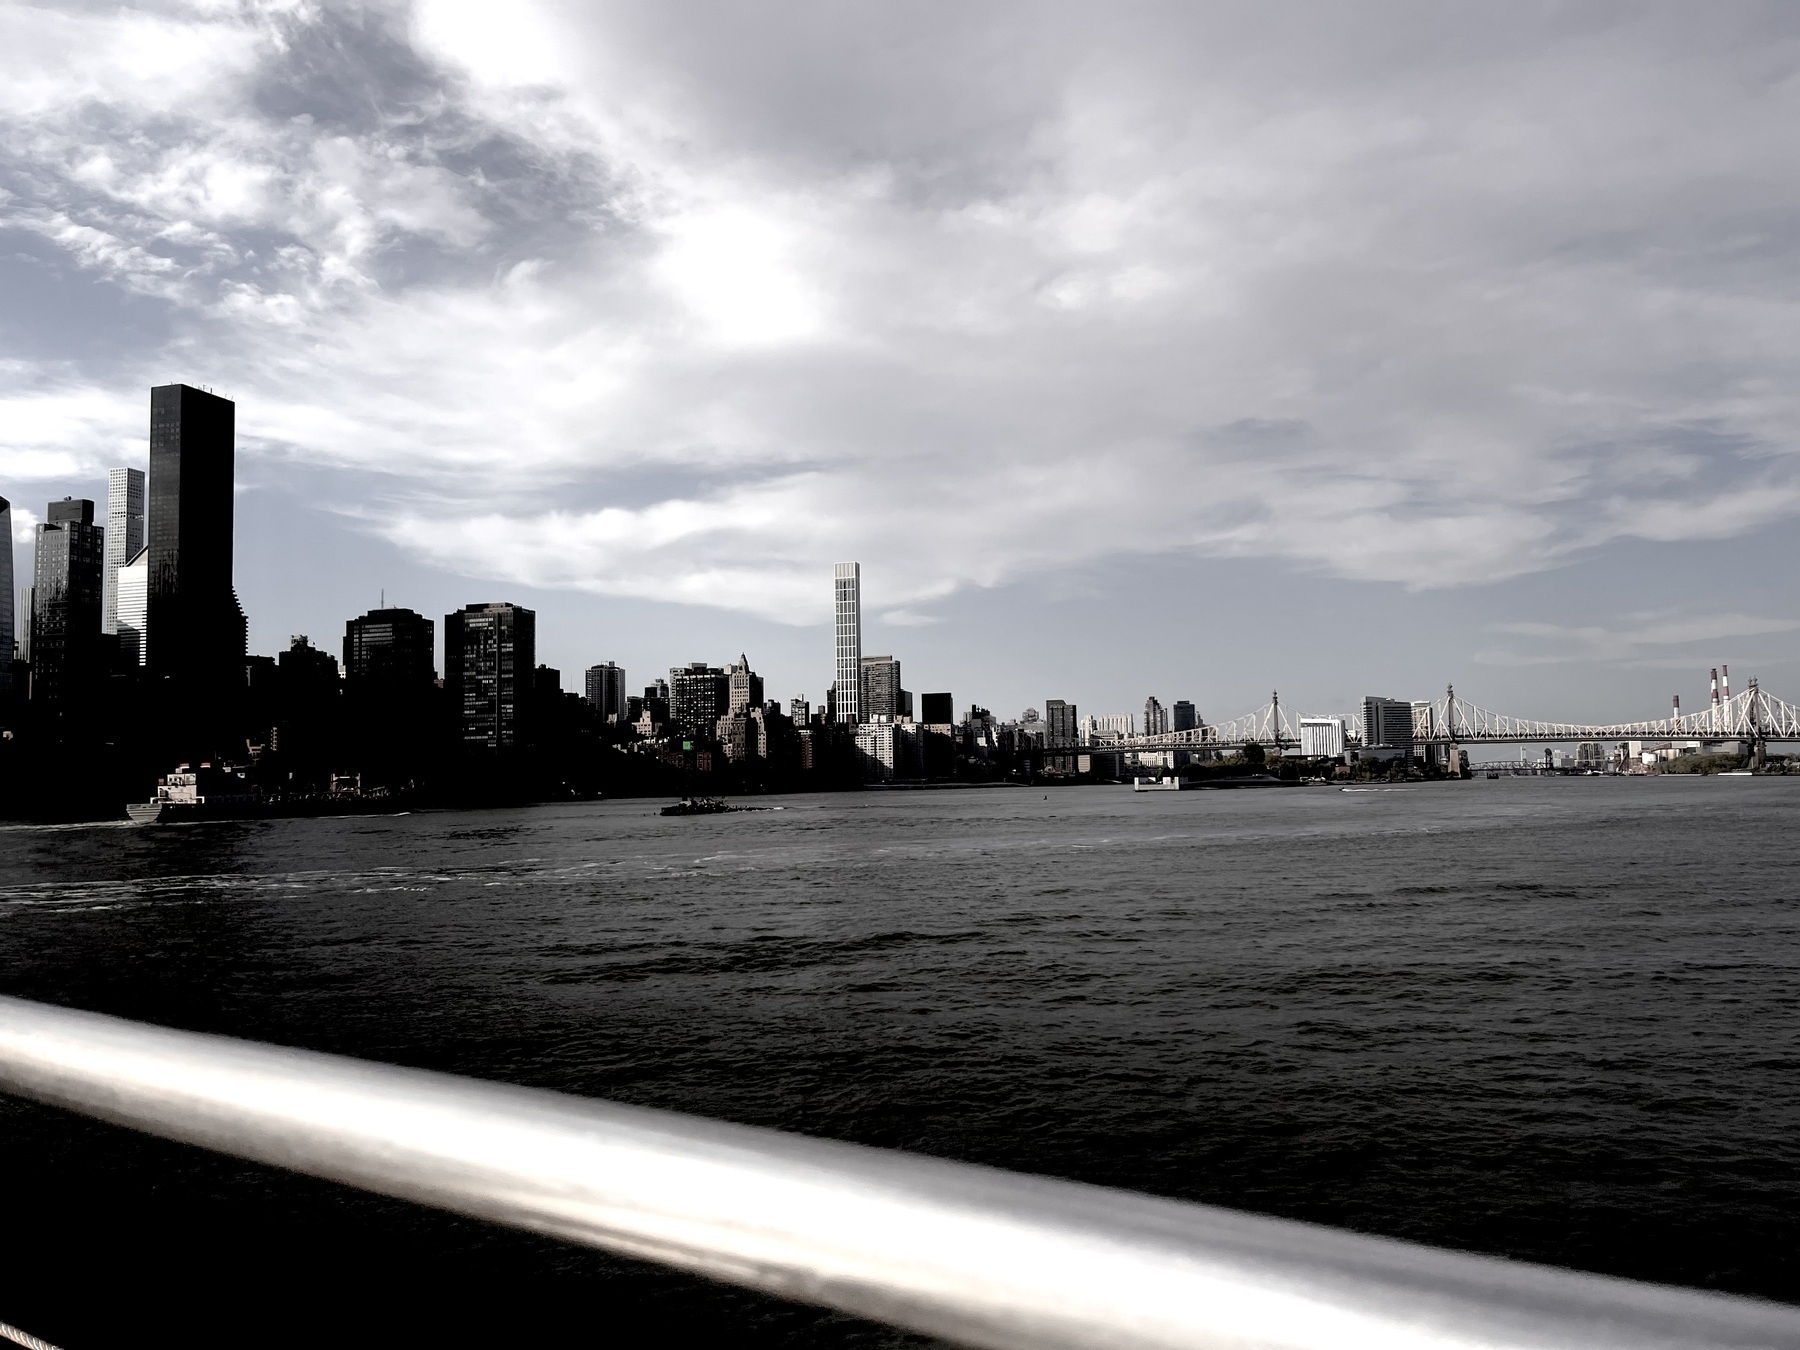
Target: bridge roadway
1752, 716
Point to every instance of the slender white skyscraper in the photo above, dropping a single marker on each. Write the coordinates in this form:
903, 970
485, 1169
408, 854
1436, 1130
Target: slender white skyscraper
133, 603
6, 595
849, 642
124, 534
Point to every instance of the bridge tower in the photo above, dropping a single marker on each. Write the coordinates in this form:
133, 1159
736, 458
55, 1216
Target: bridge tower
1759, 743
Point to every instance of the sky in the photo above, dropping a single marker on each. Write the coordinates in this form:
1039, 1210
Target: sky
1196, 350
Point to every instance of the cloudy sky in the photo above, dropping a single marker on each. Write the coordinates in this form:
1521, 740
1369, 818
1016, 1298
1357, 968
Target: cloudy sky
1183, 349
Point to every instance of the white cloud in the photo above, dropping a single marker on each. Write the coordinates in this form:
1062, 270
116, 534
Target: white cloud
735, 268
1630, 644
24, 524
672, 304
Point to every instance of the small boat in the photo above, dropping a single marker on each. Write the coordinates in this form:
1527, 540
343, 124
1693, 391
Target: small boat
700, 806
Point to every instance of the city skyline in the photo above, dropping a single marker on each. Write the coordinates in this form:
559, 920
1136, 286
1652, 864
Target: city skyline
812, 685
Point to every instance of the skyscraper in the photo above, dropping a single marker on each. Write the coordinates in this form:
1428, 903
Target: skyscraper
606, 690
880, 692
124, 534
67, 586
1156, 717
744, 690
1185, 718
1387, 724
195, 628
7, 650
132, 597
490, 661
699, 694
388, 652
937, 710
848, 580
22, 623
1060, 729
391, 706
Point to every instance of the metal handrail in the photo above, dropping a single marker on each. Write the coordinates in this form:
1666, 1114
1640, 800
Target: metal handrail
972, 1254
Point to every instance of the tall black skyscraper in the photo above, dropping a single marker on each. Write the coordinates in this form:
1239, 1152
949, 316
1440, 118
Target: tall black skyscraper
8, 622
388, 652
490, 662
68, 583
195, 625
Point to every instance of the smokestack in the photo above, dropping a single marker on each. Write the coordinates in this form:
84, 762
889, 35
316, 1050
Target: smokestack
1726, 671
1715, 689
1677, 713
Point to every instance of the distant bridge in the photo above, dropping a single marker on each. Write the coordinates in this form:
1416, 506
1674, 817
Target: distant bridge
1752, 716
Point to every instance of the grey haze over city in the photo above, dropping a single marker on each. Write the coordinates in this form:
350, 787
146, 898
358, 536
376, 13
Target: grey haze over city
1185, 350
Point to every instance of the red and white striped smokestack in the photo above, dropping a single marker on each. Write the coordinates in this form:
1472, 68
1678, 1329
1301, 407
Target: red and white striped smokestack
1677, 713
1715, 690
1725, 671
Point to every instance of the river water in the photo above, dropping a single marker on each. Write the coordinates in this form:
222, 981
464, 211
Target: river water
1556, 1019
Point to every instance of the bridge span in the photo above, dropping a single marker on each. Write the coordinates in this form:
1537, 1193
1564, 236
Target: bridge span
1753, 716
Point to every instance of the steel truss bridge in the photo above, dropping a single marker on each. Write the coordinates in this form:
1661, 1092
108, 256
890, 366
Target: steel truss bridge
1752, 716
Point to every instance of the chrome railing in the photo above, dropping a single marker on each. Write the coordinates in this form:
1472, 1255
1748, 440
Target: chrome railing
975, 1255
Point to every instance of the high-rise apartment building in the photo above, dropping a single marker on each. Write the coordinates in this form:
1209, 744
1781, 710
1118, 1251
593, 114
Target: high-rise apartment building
67, 589
195, 629
800, 711
937, 710
1106, 727
1387, 724
132, 600
490, 663
605, 691
390, 652
1183, 717
881, 747
699, 695
1060, 726
847, 581
880, 692
124, 534
744, 688
1156, 717
8, 652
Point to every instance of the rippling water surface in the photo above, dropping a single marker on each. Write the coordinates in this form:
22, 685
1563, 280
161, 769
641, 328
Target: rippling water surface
1554, 1019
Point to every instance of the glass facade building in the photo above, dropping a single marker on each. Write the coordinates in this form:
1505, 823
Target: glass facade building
490, 663
67, 587
124, 534
605, 690
132, 597
390, 651
195, 627
8, 634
